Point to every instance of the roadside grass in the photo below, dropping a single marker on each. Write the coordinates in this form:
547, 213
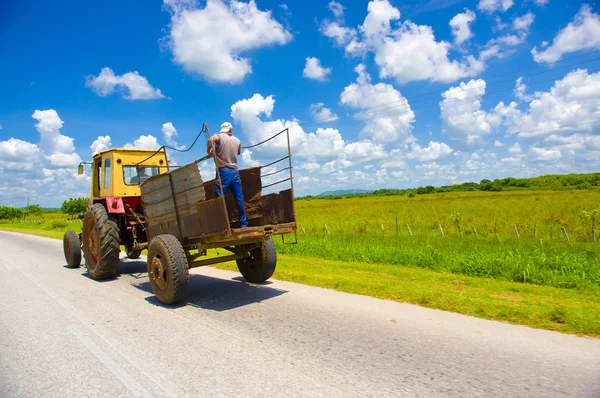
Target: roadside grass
574, 311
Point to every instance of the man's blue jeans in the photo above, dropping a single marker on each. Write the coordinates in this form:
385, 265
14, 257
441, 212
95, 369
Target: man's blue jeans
230, 178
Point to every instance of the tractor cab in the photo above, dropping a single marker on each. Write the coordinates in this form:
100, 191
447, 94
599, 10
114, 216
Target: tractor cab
118, 172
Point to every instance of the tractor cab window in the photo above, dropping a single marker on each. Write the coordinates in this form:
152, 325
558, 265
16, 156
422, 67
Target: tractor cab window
107, 173
131, 176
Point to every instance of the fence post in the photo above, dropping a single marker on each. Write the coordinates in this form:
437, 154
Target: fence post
593, 230
564, 231
441, 230
397, 226
474, 230
516, 231
409, 231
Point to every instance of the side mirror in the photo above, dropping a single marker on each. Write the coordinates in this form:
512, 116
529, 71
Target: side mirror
80, 169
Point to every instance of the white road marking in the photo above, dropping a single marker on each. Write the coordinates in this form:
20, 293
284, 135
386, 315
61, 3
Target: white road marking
128, 381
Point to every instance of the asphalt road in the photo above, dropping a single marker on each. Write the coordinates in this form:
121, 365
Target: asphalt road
63, 334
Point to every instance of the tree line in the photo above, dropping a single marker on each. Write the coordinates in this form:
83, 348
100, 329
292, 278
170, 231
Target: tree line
551, 181
71, 207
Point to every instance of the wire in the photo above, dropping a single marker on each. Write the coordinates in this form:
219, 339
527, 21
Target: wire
418, 108
554, 68
204, 130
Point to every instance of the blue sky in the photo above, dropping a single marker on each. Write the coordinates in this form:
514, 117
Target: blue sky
377, 94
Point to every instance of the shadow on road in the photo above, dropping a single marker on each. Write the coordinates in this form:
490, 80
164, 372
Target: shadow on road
218, 294
205, 292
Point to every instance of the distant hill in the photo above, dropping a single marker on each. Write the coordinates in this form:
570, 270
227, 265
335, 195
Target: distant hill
343, 192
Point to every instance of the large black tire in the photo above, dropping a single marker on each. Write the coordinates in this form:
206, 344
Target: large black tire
132, 253
72, 249
261, 265
101, 243
168, 269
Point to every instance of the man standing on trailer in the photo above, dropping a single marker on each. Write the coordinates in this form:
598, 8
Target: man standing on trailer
227, 147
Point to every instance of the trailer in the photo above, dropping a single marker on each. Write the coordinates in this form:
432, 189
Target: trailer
184, 217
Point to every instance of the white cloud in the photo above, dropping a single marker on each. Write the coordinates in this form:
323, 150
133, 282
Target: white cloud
170, 133
571, 105
57, 148
520, 90
582, 33
336, 8
210, 41
247, 159
543, 155
514, 149
16, 150
144, 142
44, 172
434, 151
460, 26
491, 6
387, 114
100, 144
364, 151
541, 2
408, 53
498, 144
322, 114
524, 22
462, 116
325, 147
314, 70
132, 85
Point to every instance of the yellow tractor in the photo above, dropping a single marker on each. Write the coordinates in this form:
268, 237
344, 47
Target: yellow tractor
138, 202
115, 215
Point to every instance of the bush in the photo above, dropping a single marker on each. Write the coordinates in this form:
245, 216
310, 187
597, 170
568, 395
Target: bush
74, 206
10, 213
59, 224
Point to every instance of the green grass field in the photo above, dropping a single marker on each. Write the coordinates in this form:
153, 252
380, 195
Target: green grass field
364, 229
538, 280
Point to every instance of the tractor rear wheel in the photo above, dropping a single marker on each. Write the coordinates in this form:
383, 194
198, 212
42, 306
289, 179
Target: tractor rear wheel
261, 264
101, 246
132, 253
168, 269
72, 249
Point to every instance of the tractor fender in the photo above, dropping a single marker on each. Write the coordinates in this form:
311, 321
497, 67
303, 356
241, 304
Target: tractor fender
115, 205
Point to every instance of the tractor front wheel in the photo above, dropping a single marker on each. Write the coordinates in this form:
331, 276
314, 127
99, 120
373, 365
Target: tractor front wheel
72, 249
101, 246
261, 264
168, 269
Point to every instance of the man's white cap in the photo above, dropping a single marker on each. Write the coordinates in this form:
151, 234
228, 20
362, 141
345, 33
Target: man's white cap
225, 127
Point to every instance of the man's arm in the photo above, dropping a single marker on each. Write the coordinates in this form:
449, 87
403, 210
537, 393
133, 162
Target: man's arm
209, 143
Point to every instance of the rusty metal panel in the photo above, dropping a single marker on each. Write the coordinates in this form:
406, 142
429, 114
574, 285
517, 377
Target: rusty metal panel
251, 189
278, 208
211, 217
168, 227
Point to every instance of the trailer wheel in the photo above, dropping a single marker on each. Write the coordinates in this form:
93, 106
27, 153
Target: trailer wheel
168, 269
261, 265
72, 249
101, 246
132, 253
